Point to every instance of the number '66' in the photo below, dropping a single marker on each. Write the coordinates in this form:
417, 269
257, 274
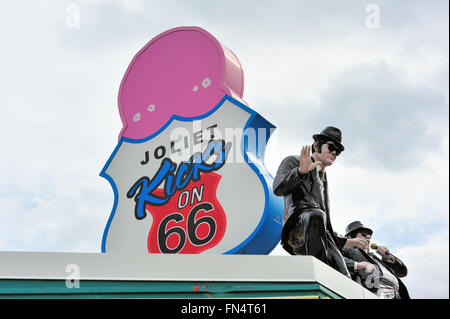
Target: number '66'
191, 226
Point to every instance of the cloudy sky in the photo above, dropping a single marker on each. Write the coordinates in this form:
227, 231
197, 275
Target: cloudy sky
378, 70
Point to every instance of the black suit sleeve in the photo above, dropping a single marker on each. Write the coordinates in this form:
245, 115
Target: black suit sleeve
287, 177
398, 268
341, 239
347, 253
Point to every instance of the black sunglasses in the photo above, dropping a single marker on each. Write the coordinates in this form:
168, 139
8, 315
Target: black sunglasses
332, 147
365, 234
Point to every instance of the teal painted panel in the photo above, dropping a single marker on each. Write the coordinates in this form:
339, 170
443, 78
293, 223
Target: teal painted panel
159, 289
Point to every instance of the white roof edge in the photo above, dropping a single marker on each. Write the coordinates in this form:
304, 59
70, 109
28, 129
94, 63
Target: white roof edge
339, 283
157, 267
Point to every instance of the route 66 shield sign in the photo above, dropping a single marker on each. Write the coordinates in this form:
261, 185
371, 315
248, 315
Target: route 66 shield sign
187, 172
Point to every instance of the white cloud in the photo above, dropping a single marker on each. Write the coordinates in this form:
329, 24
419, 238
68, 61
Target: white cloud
59, 118
428, 267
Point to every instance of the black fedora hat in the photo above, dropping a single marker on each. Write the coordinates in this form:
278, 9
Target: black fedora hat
331, 133
357, 225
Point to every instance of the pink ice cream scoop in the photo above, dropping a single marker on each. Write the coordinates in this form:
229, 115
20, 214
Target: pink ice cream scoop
184, 71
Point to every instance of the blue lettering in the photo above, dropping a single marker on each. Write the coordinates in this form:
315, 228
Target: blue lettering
187, 172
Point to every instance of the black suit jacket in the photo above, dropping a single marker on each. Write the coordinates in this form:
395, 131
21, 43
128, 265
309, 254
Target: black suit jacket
301, 192
398, 269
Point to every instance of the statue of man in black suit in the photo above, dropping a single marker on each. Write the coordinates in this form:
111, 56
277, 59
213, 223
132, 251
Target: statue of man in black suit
379, 275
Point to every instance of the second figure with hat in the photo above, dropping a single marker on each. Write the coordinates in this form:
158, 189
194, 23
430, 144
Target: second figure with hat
302, 181
381, 276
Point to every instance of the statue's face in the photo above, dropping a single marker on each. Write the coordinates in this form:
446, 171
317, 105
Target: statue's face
364, 235
326, 156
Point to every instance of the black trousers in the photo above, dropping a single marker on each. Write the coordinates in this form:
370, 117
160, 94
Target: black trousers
308, 235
